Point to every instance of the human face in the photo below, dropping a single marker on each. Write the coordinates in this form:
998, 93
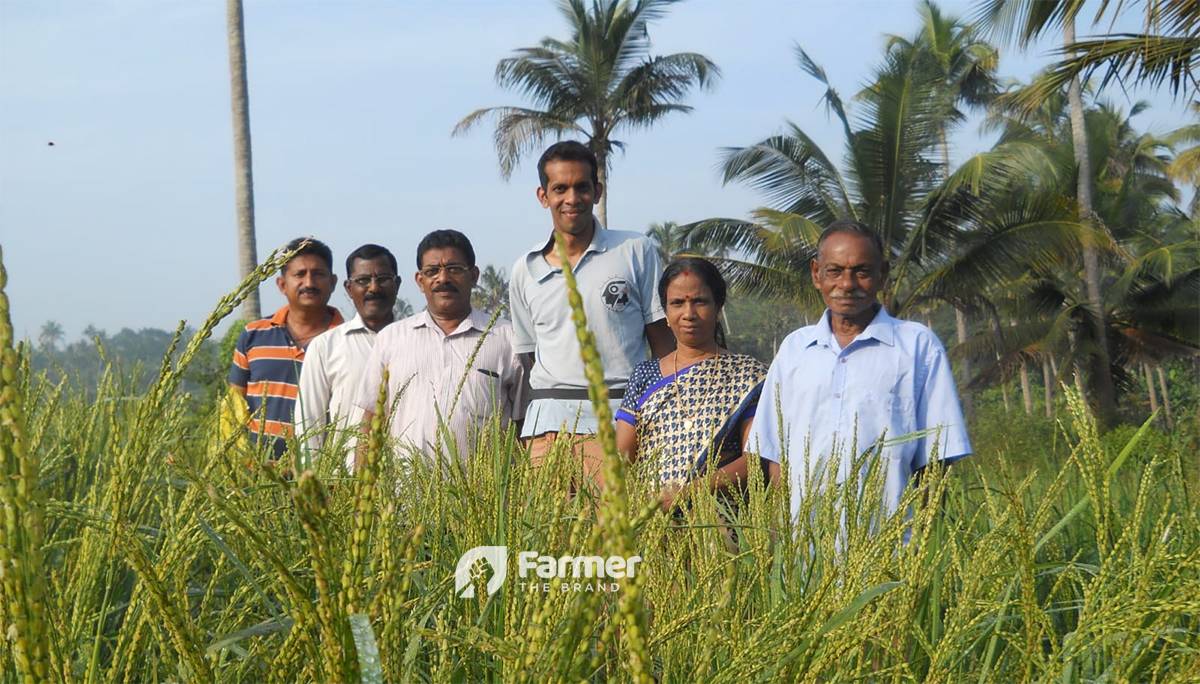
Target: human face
692, 312
307, 282
446, 281
570, 194
374, 300
849, 272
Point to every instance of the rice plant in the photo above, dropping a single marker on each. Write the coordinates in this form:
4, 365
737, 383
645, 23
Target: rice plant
138, 545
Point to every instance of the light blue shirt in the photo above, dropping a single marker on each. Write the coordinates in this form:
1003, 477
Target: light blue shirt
893, 380
618, 281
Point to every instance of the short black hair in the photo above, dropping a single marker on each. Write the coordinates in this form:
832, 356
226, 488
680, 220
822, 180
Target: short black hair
370, 251
707, 272
440, 239
567, 150
853, 228
308, 245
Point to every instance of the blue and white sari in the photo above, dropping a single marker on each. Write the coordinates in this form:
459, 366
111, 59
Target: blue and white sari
687, 418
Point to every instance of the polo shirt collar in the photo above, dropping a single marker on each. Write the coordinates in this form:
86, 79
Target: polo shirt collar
279, 318
540, 269
881, 328
476, 319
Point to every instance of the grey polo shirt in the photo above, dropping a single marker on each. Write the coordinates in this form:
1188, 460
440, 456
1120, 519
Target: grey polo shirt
618, 280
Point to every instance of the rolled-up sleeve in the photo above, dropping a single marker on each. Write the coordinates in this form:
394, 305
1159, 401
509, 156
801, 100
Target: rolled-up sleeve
938, 410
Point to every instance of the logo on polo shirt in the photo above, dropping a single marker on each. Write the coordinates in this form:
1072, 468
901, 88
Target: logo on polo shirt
616, 294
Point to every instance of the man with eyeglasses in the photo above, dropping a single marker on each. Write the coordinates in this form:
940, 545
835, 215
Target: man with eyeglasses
335, 359
440, 373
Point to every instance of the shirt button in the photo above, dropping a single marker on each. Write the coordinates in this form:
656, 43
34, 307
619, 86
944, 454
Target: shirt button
838, 395
843, 360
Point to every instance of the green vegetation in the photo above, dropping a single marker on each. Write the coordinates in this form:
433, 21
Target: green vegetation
140, 547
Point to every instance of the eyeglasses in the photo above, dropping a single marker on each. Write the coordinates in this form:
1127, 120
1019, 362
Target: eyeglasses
452, 270
382, 279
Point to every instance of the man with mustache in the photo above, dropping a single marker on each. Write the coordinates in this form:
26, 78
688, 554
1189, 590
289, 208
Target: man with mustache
440, 373
334, 361
856, 375
617, 273
269, 353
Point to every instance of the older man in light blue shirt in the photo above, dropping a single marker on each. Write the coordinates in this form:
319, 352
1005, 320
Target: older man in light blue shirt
857, 375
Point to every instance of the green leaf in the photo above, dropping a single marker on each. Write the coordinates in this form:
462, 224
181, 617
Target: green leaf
282, 624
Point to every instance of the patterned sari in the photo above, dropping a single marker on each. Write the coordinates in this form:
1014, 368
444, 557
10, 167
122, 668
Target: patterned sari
689, 417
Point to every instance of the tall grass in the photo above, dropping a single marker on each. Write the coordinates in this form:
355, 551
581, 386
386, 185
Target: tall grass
138, 546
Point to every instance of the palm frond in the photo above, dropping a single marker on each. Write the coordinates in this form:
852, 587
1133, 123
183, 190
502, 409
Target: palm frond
794, 174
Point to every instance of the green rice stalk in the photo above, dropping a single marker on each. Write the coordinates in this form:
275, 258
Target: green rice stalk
21, 532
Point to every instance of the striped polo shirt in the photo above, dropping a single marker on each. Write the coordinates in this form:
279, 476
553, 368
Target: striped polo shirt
266, 368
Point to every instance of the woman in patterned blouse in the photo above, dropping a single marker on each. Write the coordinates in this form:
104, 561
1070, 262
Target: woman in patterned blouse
691, 409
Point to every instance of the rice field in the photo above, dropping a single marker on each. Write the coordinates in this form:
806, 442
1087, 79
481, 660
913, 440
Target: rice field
139, 546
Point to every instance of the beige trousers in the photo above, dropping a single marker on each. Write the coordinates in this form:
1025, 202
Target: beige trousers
582, 446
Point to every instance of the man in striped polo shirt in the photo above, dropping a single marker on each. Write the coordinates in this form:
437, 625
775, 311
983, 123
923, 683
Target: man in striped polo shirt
267, 359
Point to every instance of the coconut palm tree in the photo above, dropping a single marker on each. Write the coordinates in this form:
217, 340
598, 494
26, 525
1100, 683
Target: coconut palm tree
50, 336
669, 238
1151, 266
964, 65
1026, 20
491, 292
893, 181
594, 84
243, 175
1168, 49
1186, 166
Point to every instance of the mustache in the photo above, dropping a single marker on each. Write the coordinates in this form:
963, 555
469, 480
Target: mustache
310, 290
446, 288
849, 295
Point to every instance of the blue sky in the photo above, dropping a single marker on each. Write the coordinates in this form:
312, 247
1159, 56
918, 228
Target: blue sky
128, 220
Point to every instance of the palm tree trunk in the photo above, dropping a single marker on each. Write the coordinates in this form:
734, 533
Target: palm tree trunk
1048, 381
998, 338
1026, 393
602, 174
1101, 372
964, 364
1166, 397
1150, 388
242, 167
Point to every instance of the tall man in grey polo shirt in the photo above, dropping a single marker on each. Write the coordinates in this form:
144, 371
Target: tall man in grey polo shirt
618, 276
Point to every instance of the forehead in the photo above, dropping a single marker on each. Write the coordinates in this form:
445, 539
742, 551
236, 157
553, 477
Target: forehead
438, 256
849, 249
567, 171
379, 264
306, 262
687, 283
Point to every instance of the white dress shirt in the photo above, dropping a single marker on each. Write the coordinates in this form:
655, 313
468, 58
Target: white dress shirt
329, 379
893, 378
426, 367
